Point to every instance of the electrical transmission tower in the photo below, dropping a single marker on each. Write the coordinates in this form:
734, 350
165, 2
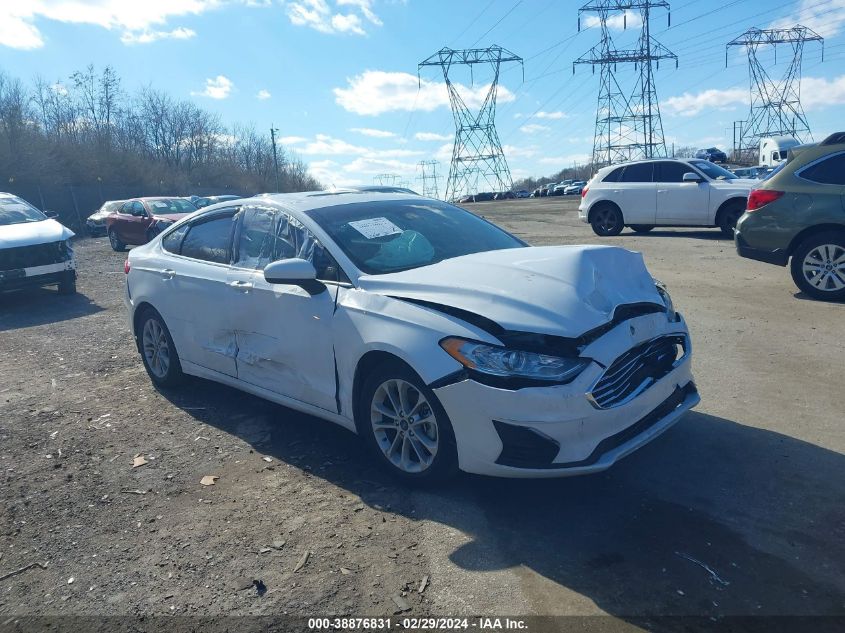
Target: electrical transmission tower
428, 175
775, 104
628, 122
385, 180
477, 154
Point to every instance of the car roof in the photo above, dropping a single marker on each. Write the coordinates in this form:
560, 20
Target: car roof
309, 200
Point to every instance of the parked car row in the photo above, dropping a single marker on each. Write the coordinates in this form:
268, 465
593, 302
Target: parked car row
794, 216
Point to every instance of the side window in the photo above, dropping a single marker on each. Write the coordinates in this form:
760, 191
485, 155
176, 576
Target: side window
830, 171
126, 208
614, 176
268, 235
172, 242
209, 239
638, 172
669, 171
138, 209
256, 240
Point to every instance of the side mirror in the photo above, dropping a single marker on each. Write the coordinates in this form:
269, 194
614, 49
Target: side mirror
691, 177
51, 214
295, 272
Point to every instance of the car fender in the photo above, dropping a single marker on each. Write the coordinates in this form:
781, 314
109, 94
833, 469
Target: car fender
366, 322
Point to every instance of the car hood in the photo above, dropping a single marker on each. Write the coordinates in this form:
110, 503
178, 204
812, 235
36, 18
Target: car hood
30, 233
736, 183
558, 290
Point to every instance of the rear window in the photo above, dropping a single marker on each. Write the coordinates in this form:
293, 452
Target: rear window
209, 240
171, 205
638, 172
829, 171
614, 176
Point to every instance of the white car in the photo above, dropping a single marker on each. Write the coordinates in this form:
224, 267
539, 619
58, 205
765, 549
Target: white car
663, 192
442, 340
575, 188
35, 250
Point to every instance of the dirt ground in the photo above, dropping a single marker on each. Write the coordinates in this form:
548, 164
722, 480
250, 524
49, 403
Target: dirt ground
738, 510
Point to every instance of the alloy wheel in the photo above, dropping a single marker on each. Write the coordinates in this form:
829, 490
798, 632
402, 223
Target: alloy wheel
606, 220
156, 348
824, 267
404, 425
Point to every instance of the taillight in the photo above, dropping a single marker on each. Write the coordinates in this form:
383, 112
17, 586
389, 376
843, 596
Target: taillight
584, 192
761, 197
126, 267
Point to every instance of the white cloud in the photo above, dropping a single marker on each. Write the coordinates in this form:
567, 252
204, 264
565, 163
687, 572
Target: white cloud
565, 161
533, 128
818, 92
292, 140
321, 16
689, 104
133, 18
263, 95
326, 145
550, 115
511, 151
617, 21
218, 87
825, 18
368, 131
147, 37
432, 136
375, 92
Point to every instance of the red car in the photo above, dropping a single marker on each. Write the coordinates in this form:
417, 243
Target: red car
139, 220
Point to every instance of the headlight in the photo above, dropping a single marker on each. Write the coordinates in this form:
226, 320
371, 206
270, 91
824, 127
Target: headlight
667, 300
504, 362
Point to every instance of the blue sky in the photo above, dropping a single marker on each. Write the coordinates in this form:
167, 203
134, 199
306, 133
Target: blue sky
338, 77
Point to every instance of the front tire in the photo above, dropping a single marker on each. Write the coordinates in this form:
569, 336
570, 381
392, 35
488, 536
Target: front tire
607, 221
406, 427
115, 242
729, 217
818, 267
67, 286
641, 228
158, 351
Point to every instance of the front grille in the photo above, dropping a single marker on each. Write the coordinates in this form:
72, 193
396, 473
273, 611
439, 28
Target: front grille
636, 370
35, 255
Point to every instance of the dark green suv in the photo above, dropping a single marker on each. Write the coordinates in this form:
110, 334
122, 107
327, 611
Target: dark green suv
798, 213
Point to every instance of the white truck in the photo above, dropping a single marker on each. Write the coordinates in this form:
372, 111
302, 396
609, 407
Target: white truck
773, 149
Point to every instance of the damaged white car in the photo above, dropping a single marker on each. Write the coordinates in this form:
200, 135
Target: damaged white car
444, 341
34, 250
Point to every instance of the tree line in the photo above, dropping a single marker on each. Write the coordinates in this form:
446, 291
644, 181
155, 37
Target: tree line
88, 130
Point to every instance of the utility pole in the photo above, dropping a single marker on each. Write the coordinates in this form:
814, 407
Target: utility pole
275, 156
428, 170
775, 104
477, 151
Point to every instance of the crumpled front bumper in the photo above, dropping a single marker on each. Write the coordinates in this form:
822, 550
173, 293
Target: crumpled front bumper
556, 431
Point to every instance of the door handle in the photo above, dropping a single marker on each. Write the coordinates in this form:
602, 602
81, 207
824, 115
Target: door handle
243, 286
662, 190
167, 274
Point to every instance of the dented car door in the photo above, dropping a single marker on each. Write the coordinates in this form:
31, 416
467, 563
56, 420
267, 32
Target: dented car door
283, 333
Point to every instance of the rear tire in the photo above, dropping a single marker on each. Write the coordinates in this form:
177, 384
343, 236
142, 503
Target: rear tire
607, 220
818, 267
158, 351
729, 216
641, 228
115, 242
405, 426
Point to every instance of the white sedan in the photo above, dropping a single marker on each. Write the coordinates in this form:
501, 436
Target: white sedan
442, 340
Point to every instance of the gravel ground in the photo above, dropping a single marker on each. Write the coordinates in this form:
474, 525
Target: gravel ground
739, 509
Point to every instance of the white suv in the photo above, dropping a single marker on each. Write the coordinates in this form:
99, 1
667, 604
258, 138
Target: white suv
663, 192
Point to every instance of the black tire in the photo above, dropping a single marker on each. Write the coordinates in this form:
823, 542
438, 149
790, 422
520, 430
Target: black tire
173, 376
115, 242
823, 288
641, 228
607, 220
729, 216
444, 464
67, 286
